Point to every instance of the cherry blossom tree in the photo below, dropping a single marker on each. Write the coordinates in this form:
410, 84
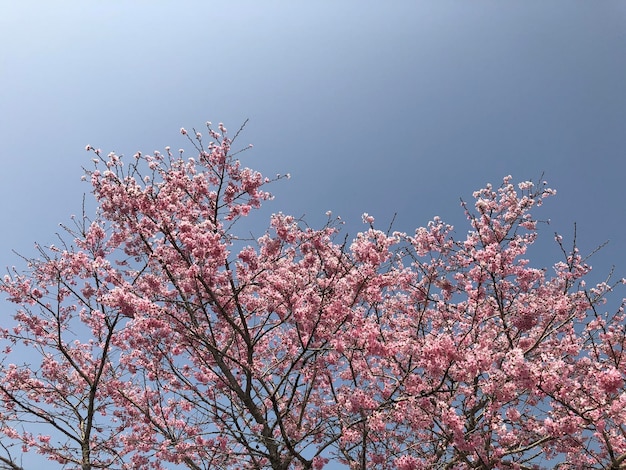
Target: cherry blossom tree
157, 335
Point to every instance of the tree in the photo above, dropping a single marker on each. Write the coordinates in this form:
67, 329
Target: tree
156, 336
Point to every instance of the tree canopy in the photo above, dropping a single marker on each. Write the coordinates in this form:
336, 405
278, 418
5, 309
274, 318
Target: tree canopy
158, 335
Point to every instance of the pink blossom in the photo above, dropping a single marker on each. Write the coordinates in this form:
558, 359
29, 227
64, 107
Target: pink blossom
160, 333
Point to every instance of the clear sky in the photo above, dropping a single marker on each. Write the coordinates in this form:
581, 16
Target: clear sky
381, 107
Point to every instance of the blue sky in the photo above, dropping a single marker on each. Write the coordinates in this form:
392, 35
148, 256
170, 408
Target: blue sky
381, 107
376, 107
